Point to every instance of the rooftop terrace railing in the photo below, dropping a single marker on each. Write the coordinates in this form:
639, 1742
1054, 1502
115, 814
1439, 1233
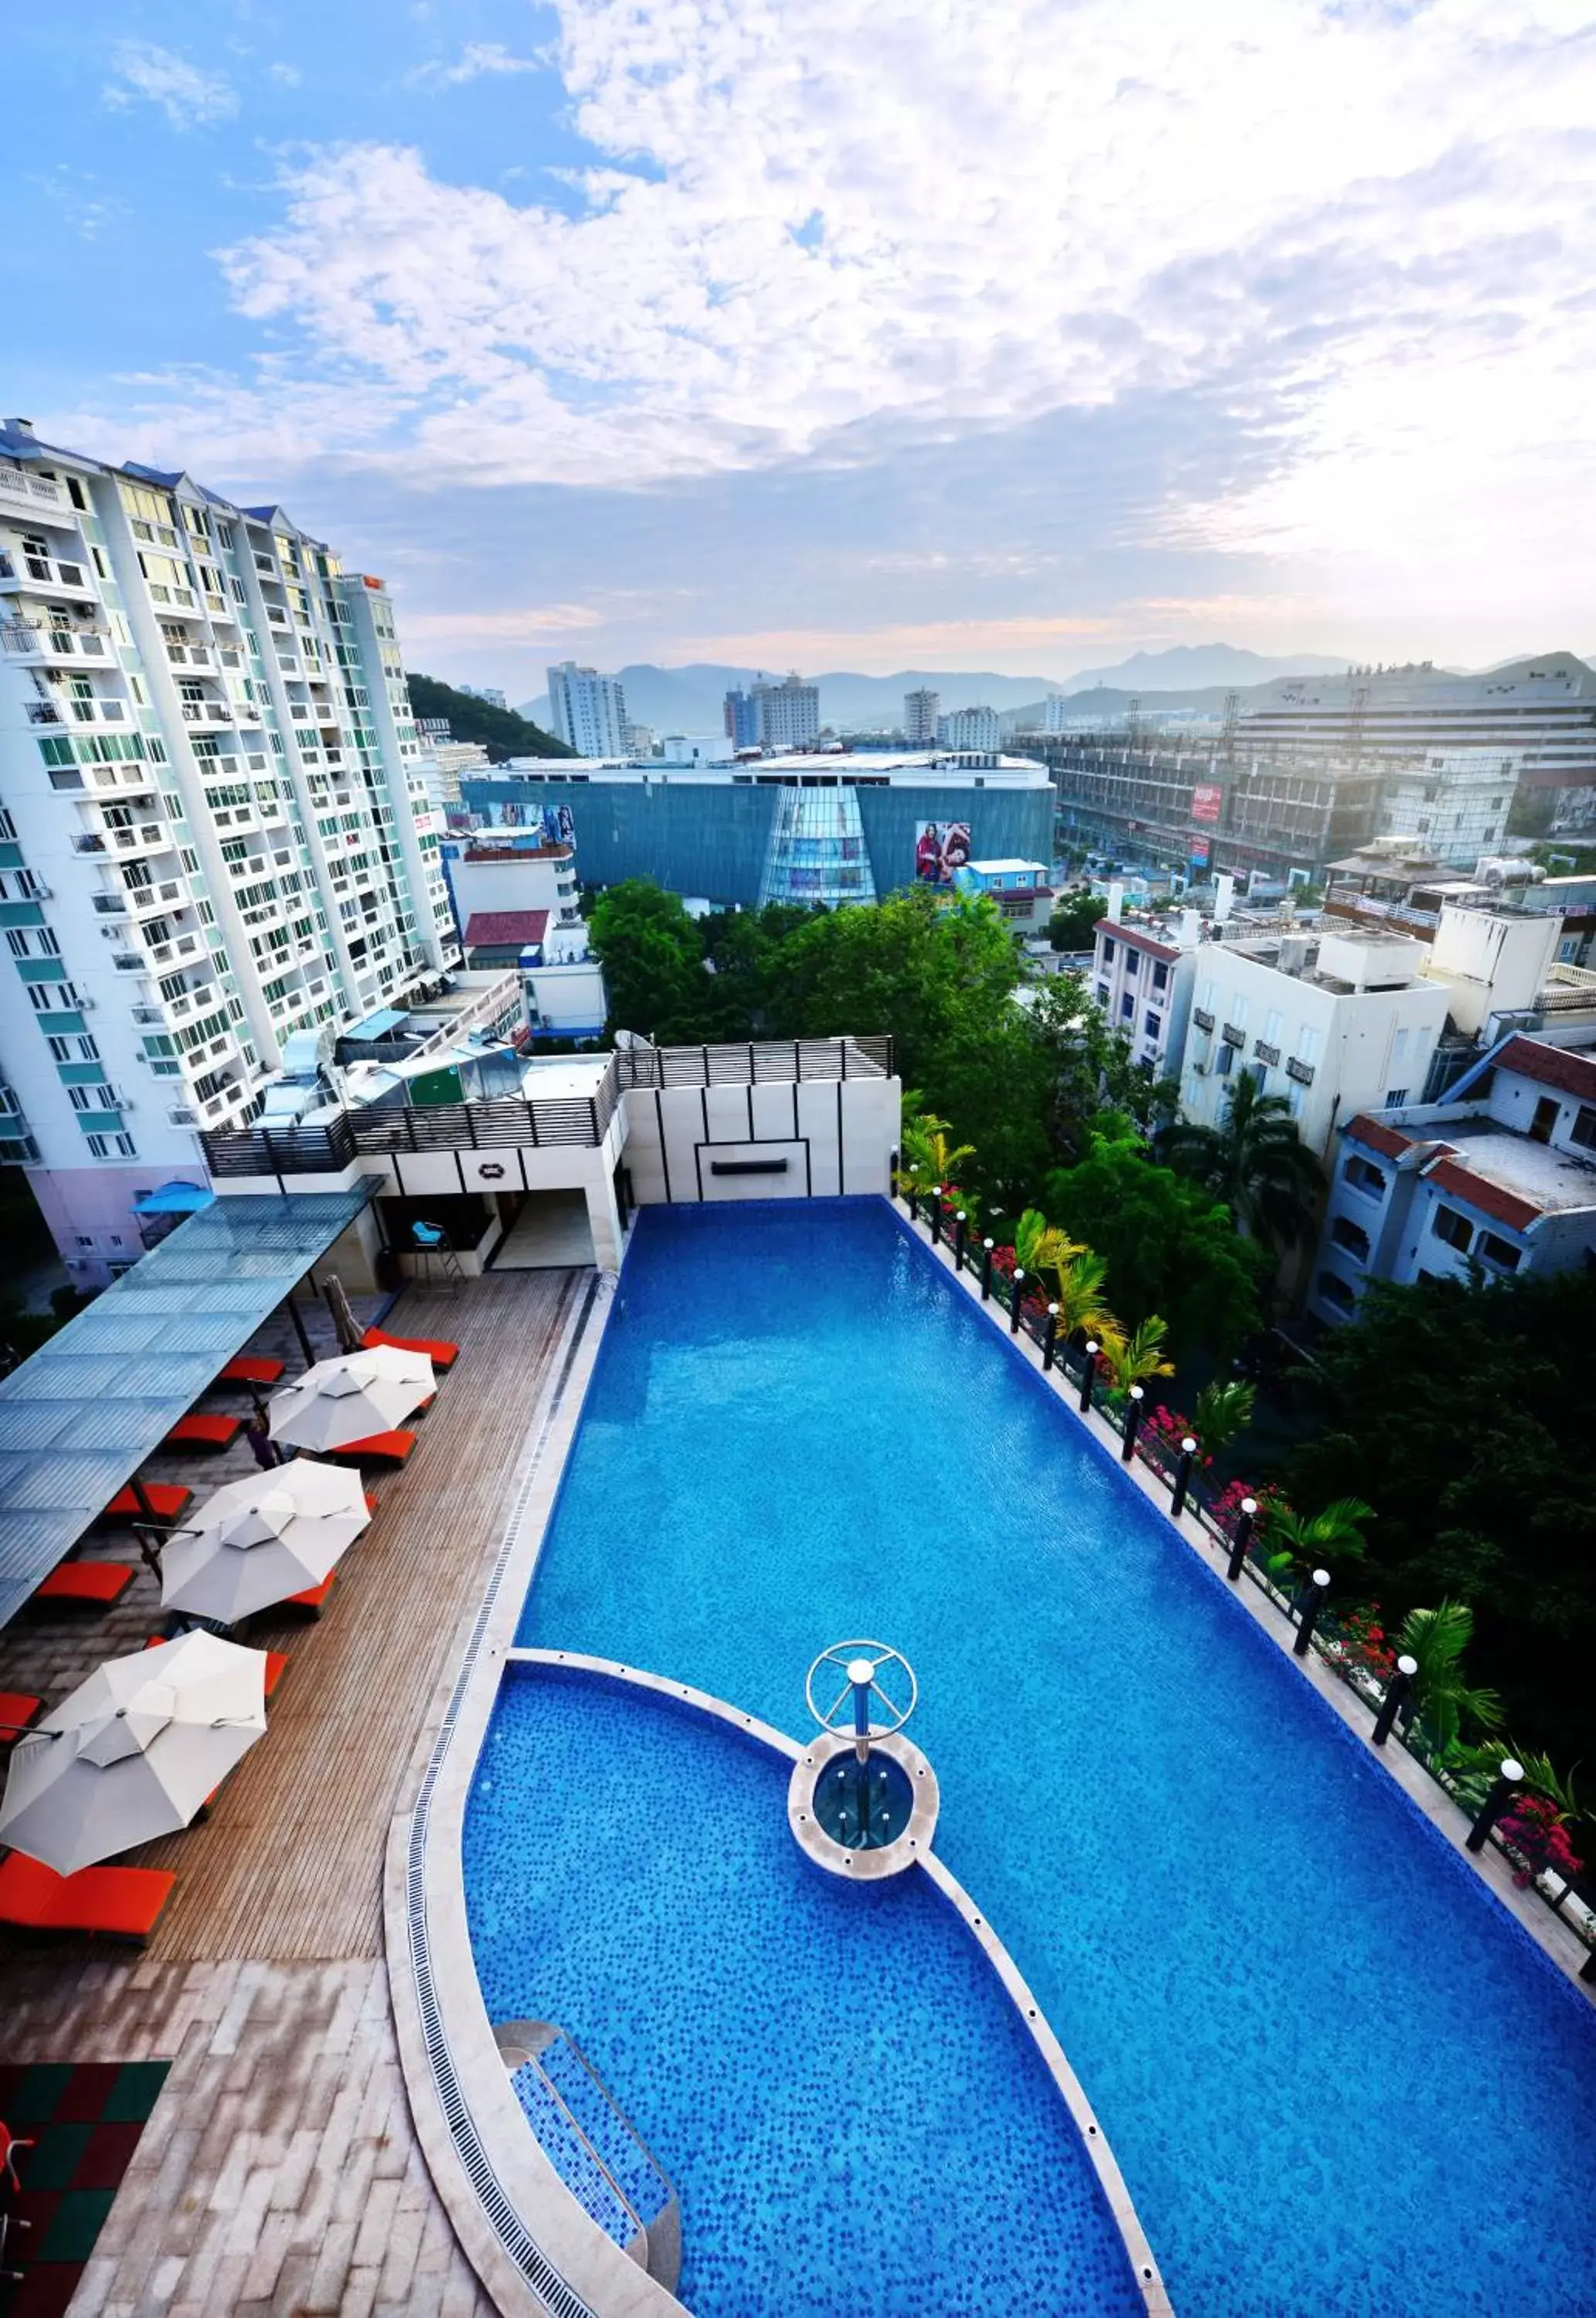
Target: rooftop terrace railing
755, 1063
1341, 1643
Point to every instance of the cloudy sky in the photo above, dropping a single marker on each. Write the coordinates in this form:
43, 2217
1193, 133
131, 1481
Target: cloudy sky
859, 333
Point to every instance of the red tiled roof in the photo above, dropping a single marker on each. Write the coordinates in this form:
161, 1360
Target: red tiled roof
1553, 1066
1489, 1198
501, 929
1387, 1140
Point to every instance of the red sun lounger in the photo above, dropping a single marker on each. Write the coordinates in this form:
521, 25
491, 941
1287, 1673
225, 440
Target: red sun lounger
168, 1501
98, 1584
123, 1902
438, 1351
251, 1367
203, 1433
393, 1448
17, 1710
313, 1598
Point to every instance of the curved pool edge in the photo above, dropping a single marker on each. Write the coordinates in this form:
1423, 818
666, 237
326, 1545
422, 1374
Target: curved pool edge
536, 2251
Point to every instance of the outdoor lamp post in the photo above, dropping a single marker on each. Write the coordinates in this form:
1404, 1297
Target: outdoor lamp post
1318, 1587
1089, 1374
986, 1270
1050, 1335
935, 1215
1182, 1477
958, 1243
1396, 1690
1133, 1417
1242, 1538
1017, 1289
1510, 1776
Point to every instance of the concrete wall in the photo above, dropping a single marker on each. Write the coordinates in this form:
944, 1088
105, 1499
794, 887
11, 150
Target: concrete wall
833, 1135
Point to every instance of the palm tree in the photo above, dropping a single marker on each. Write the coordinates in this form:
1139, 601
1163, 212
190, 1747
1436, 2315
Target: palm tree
1223, 1410
1438, 1638
1079, 1297
1138, 1357
1335, 1533
1040, 1246
929, 1158
1255, 1161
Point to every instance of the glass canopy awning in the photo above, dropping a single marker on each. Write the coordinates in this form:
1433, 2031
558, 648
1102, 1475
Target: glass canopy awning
79, 1418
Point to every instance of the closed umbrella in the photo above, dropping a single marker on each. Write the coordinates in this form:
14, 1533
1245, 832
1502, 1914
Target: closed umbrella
259, 1541
134, 1752
343, 1399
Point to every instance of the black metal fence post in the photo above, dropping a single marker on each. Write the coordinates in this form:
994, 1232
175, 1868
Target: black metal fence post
1242, 1538
1182, 1477
1133, 1418
935, 1215
1318, 1587
1050, 1336
914, 1205
1089, 1374
986, 1271
1017, 1289
1510, 1777
960, 1233
1396, 1690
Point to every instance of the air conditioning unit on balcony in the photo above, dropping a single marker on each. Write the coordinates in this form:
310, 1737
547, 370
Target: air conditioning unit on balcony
178, 1117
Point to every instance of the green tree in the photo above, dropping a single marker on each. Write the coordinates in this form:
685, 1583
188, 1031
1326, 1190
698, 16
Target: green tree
500, 731
653, 964
1137, 1358
1334, 1535
1443, 1696
1079, 1290
1222, 1412
1255, 1161
1087, 1070
1462, 1412
1169, 1246
1074, 923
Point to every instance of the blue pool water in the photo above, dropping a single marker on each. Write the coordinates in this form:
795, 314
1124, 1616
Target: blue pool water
853, 2115
1337, 2077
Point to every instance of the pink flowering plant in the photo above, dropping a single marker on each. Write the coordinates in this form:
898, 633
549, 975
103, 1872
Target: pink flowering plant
1536, 1835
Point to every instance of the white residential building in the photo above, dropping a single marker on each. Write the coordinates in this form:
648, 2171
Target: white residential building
587, 710
920, 710
213, 827
788, 714
1336, 1022
489, 693
969, 728
443, 763
1498, 1181
1143, 973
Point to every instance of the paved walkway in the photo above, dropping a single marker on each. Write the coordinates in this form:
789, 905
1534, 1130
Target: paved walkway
279, 2173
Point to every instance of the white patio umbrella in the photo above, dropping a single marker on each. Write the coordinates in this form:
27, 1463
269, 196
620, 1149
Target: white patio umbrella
258, 1540
346, 1398
134, 1752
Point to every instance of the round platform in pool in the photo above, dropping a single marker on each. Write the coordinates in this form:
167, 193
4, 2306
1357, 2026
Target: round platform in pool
866, 1806
858, 2125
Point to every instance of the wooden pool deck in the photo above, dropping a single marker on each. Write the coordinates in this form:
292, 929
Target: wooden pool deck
279, 2173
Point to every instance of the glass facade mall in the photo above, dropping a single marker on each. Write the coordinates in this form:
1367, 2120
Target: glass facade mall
726, 842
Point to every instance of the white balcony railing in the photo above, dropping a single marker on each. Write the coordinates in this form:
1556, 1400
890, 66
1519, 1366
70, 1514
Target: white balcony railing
39, 496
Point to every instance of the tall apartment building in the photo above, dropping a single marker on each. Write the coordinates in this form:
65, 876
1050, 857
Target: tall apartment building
969, 728
920, 710
742, 717
788, 714
489, 693
587, 710
213, 831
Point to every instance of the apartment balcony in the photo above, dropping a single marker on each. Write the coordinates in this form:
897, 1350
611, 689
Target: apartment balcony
38, 643
173, 951
36, 499
151, 900
128, 843
101, 710
209, 711
190, 655
22, 574
129, 781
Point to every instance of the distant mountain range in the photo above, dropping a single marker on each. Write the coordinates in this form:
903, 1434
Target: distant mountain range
689, 699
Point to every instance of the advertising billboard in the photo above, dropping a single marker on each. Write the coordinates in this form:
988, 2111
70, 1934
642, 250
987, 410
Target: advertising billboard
1205, 801
1198, 855
940, 847
546, 824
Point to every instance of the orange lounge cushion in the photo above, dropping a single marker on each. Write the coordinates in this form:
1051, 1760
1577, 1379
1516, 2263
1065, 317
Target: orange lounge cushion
86, 1581
313, 1596
276, 1661
127, 1900
18, 1710
395, 1446
251, 1367
438, 1351
167, 1502
214, 1432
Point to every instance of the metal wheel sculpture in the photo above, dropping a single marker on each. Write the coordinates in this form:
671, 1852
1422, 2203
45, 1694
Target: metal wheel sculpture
859, 1667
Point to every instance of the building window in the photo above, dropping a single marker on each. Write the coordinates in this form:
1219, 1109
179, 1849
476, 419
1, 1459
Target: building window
1584, 1130
1394, 1098
1108, 951
1160, 977
1334, 1290
1102, 994
1455, 1229
1152, 1026
1364, 1177
1352, 1236
1501, 1253
1127, 1006
1225, 1061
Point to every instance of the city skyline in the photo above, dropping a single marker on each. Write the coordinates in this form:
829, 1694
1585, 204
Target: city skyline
1274, 345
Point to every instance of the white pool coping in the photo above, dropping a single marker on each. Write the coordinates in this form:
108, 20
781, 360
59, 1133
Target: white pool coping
543, 2257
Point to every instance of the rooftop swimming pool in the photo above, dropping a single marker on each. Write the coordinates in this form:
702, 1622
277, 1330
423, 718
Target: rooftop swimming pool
1337, 2075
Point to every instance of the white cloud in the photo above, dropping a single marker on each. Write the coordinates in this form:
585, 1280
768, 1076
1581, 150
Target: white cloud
476, 59
1356, 232
285, 75
187, 95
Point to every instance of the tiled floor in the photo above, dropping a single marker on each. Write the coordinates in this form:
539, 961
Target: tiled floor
280, 2172
81, 2126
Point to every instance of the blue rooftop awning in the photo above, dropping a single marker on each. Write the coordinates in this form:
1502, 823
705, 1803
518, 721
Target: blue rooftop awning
382, 1024
175, 1200
79, 1417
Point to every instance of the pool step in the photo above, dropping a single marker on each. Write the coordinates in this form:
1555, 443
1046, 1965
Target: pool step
593, 2145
